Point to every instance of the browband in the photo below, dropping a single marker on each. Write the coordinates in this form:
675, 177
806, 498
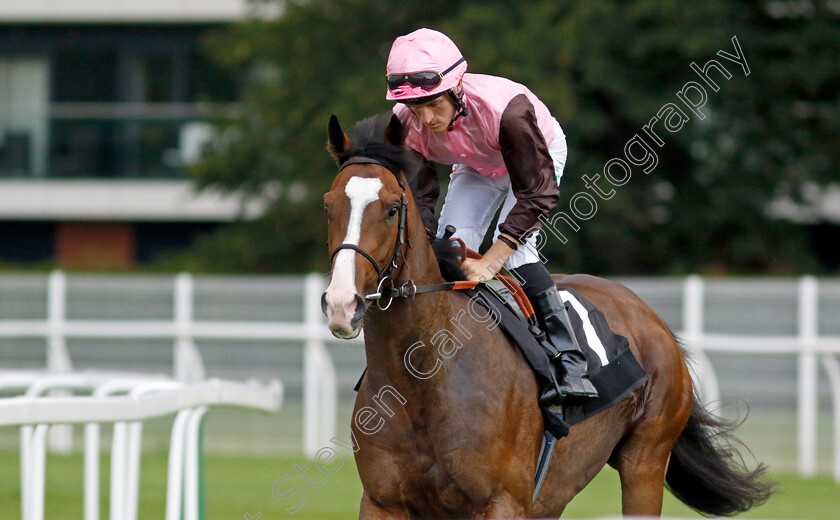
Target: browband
370, 160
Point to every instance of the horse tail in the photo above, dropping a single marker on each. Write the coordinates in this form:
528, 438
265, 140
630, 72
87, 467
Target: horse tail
707, 474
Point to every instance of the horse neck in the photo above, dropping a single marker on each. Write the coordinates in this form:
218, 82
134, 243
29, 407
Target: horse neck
390, 332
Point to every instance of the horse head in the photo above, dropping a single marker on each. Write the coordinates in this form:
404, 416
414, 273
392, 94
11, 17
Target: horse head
366, 208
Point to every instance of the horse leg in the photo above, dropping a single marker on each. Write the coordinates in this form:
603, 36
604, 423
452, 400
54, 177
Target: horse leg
370, 510
642, 461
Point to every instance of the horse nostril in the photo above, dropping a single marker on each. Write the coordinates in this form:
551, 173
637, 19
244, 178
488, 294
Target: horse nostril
324, 303
360, 310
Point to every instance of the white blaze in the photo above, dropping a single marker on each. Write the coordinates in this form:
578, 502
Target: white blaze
342, 289
361, 192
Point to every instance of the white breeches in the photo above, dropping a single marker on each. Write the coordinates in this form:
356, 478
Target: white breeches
473, 199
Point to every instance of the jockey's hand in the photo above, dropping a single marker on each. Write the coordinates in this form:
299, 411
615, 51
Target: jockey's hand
485, 268
479, 270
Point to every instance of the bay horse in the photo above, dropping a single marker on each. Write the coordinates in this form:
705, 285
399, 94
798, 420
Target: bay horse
455, 431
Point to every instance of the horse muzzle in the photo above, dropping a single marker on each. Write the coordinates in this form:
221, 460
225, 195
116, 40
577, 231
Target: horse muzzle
344, 318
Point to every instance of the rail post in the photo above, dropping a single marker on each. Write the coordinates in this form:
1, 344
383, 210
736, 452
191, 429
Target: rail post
189, 367
707, 383
319, 384
60, 438
806, 409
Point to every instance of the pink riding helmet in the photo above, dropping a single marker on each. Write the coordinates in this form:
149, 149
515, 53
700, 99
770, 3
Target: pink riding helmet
423, 50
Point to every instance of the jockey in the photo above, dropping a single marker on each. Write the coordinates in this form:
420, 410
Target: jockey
506, 150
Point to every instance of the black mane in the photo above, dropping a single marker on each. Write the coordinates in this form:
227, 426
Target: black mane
368, 137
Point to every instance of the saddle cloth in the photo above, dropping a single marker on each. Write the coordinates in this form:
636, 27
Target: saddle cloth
613, 369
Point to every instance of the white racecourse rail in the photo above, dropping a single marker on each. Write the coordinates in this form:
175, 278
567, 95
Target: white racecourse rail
759, 318
148, 397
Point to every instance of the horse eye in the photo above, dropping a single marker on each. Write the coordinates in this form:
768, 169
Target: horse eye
393, 210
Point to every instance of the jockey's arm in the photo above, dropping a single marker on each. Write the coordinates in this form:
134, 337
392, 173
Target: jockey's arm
531, 171
532, 180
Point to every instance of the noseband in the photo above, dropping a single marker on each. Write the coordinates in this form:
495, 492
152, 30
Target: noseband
382, 275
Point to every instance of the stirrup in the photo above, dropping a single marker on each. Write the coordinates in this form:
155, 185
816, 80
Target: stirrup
557, 394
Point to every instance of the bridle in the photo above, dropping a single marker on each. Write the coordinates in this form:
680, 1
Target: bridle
385, 276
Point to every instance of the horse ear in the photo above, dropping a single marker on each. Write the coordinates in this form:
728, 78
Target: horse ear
395, 134
338, 142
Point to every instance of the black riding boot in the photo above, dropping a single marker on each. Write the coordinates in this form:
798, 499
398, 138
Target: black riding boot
554, 320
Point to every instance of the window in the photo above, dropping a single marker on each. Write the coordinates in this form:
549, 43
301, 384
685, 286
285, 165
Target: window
23, 116
84, 76
106, 101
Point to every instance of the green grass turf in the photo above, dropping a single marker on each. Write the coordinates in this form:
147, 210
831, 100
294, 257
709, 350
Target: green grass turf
236, 485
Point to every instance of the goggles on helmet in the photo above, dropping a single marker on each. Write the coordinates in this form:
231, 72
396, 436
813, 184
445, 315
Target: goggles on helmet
426, 80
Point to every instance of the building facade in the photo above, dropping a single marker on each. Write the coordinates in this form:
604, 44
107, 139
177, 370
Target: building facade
103, 106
